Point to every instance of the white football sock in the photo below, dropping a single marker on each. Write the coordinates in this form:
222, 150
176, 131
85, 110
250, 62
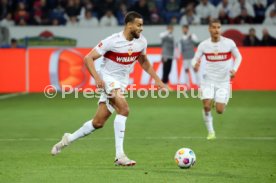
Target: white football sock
208, 119
86, 129
119, 131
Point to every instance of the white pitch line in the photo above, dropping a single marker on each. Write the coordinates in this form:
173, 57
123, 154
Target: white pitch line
2, 97
145, 138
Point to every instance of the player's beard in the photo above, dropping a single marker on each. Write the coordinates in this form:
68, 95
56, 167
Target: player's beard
216, 36
135, 34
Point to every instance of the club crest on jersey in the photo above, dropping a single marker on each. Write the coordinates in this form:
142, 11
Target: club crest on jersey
130, 51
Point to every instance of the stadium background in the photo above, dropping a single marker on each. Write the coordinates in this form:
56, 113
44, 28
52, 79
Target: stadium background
31, 123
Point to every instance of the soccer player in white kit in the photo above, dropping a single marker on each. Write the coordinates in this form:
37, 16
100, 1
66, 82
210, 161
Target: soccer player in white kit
219, 69
120, 52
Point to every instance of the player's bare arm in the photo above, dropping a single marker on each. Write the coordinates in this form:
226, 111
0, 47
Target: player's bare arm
145, 64
89, 63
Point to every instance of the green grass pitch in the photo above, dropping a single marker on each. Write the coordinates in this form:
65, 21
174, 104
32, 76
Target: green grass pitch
244, 151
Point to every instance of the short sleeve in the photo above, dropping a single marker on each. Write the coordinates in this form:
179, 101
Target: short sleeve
104, 46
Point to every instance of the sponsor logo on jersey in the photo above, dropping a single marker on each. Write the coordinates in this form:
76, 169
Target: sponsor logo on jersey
217, 57
122, 58
126, 59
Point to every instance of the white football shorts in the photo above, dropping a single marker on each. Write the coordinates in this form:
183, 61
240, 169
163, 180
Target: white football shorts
110, 84
219, 92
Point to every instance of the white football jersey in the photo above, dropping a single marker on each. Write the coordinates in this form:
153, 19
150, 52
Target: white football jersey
218, 58
120, 55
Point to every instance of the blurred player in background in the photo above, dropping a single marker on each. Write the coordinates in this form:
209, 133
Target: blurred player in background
219, 68
120, 52
167, 44
186, 46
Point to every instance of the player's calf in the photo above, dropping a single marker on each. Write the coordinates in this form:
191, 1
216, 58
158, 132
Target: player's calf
101, 116
207, 105
207, 109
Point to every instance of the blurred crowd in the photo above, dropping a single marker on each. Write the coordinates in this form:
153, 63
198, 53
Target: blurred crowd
252, 40
111, 12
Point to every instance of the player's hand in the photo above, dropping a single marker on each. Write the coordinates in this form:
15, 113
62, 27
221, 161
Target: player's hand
99, 83
161, 86
196, 67
232, 74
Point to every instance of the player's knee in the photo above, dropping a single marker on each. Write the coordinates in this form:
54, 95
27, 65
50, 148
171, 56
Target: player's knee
207, 108
124, 110
220, 110
98, 123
